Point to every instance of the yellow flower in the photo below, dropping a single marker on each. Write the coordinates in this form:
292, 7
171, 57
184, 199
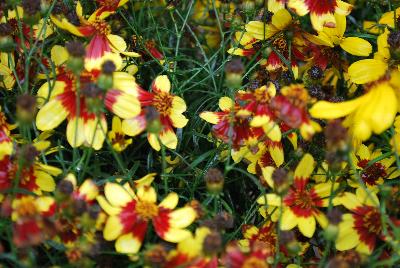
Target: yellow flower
373, 112
332, 37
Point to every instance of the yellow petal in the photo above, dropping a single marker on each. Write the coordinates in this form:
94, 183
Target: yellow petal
162, 83
153, 141
260, 30
95, 132
307, 225
110, 210
169, 139
385, 108
134, 126
182, 217
347, 236
75, 132
178, 105
298, 6
59, 54
51, 115
145, 180
226, 104
176, 235
305, 167
44, 203
349, 200
123, 104
210, 117
178, 120
281, 19
45, 181
112, 229
89, 189
116, 195
147, 194
356, 46
368, 70
330, 110
171, 201
289, 220
127, 244
270, 200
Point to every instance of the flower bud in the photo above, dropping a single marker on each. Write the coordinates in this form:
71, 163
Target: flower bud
334, 218
233, 73
153, 120
281, 180
248, 6
156, 256
212, 243
214, 181
76, 51
26, 108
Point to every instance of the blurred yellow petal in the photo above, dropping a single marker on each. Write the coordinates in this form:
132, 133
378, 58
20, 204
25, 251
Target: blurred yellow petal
127, 244
356, 46
367, 70
170, 201
147, 194
162, 83
210, 117
116, 195
112, 229
307, 225
51, 115
75, 132
289, 220
305, 167
169, 139
182, 217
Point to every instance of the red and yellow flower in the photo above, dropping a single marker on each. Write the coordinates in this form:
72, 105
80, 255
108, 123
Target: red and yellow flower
362, 228
159, 107
301, 204
372, 173
82, 105
131, 211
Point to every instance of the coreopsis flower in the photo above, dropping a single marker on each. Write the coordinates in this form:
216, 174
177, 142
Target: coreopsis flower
159, 107
291, 107
83, 106
24, 168
7, 80
107, 7
265, 234
362, 228
373, 112
281, 23
31, 223
322, 13
130, 212
117, 136
191, 252
229, 126
301, 204
332, 37
256, 104
372, 174
102, 42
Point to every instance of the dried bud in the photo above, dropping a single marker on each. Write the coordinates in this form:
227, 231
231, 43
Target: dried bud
156, 256
281, 180
26, 155
65, 187
108, 67
31, 11
26, 108
212, 243
80, 206
334, 216
223, 220
214, 180
75, 49
5, 29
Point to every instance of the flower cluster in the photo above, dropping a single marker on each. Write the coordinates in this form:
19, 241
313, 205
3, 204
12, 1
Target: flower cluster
200, 134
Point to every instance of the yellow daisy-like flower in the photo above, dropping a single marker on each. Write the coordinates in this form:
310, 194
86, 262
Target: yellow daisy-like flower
332, 37
130, 211
373, 112
117, 136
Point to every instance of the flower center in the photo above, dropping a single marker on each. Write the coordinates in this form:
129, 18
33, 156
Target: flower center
321, 7
371, 174
302, 201
101, 26
163, 102
367, 222
262, 95
111, 4
146, 210
26, 207
280, 44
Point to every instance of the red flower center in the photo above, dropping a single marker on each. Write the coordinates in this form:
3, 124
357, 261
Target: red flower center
321, 7
146, 210
102, 28
372, 173
367, 222
163, 103
302, 201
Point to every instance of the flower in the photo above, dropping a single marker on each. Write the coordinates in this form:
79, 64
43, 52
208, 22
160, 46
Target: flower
102, 42
361, 228
82, 105
131, 211
117, 136
322, 13
373, 112
300, 205
332, 37
160, 107
372, 173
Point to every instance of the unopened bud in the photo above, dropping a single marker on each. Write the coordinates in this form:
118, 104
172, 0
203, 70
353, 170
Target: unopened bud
214, 180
